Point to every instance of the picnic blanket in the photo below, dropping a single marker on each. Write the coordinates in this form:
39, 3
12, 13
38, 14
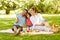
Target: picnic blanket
41, 32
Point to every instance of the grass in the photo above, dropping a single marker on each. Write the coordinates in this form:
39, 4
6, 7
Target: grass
7, 23
53, 19
7, 36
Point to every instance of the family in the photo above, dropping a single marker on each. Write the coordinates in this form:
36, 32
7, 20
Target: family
33, 21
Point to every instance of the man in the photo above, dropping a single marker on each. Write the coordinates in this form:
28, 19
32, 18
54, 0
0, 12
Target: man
38, 21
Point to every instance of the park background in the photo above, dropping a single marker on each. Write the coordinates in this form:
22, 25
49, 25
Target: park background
50, 10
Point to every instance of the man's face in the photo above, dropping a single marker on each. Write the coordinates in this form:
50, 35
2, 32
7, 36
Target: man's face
24, 12
30, 11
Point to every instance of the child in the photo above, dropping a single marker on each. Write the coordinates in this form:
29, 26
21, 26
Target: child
28, 22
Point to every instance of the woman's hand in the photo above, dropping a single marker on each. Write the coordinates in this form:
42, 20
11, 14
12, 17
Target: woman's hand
16, 20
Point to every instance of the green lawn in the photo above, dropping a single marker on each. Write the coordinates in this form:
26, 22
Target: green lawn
7, 23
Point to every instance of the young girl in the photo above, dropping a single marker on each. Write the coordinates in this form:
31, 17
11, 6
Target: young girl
28, 22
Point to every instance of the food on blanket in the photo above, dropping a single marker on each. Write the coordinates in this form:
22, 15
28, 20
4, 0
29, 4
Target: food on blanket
55, 28
37, 31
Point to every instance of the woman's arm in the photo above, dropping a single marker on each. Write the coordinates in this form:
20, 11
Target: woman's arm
17, 20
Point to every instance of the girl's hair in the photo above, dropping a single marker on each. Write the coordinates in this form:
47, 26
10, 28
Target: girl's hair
27, 13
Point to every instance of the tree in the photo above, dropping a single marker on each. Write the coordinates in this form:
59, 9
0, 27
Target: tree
7, 6
42, 6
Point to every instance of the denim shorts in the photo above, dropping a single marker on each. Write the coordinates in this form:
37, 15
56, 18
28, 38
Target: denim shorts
17, 26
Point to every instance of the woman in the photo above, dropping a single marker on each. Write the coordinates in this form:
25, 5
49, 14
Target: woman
38, 22
20, 21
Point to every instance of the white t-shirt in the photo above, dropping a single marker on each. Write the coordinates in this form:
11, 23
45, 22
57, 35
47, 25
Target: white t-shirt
37, 19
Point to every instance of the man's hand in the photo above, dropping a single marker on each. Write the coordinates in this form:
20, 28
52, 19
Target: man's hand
40, 24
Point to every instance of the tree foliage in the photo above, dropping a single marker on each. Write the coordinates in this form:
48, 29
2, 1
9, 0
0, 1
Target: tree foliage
42, 6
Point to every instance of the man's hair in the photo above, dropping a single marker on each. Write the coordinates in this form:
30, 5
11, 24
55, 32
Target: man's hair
34, 8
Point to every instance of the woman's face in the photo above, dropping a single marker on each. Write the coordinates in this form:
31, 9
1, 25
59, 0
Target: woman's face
24, 12
31, 11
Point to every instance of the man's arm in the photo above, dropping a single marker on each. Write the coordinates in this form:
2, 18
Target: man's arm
42, 24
